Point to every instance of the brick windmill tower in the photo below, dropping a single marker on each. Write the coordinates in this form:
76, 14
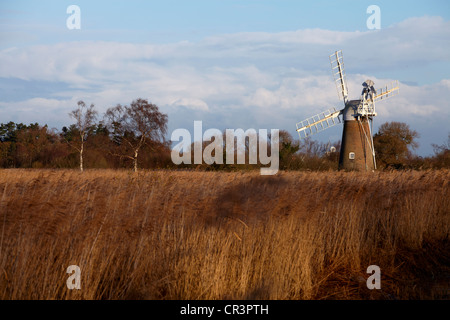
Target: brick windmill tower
357, 151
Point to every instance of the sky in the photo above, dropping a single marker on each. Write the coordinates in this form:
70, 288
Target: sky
231, 64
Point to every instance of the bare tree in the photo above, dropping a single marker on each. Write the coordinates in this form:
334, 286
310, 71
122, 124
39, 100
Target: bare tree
85, 118
134, 126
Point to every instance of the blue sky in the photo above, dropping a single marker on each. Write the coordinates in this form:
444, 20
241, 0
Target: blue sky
175, 20
232, 64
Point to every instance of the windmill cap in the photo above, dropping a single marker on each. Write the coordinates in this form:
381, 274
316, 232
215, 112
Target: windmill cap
350, 110
368, 83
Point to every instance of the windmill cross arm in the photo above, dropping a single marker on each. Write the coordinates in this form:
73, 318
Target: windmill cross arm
319, 122
328, 117
387, 91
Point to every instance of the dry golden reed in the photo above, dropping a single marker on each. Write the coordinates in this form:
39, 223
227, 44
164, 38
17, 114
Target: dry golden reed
224, 235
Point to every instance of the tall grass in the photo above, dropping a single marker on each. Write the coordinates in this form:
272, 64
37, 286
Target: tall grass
219, 235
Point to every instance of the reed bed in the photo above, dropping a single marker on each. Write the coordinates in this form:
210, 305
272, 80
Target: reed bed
224, 235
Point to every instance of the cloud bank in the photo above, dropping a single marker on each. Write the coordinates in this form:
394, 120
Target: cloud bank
242, 80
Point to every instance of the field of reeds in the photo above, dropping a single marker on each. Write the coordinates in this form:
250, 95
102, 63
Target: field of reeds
224, 235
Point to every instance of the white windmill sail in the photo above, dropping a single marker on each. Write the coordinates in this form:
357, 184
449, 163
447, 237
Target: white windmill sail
337, 68
387, 91
319, 122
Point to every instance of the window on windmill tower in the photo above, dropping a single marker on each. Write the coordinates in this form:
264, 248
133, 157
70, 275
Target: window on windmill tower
351, 155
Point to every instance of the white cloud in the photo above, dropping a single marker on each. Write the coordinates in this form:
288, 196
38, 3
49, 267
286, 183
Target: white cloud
195, 104
426, 101
41, 110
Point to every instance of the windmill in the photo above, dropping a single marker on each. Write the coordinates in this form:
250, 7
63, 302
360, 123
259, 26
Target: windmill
357, 151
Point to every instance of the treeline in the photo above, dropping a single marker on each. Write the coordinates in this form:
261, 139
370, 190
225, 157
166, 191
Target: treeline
126, 136
394, 146
35, 146
133, 136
